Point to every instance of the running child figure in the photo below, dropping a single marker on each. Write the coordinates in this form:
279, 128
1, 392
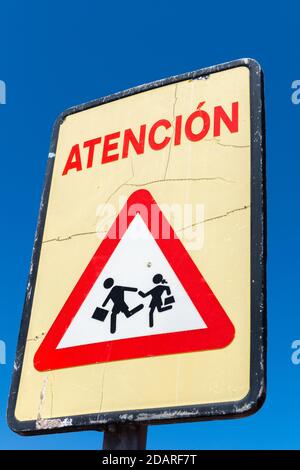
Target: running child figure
157, 302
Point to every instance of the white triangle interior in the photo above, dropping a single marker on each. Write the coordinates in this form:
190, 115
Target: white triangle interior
135, 261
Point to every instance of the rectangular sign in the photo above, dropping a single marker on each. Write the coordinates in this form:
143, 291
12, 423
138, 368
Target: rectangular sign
146, 295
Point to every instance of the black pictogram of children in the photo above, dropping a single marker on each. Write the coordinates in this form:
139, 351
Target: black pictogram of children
161, 300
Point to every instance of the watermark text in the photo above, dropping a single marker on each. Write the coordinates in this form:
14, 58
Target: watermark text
187, 220
295, 357
2, 353
2, 92
295, 97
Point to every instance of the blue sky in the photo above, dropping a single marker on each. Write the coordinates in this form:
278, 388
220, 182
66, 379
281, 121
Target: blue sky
55, 54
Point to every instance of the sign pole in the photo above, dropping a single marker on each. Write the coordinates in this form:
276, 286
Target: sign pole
125, 437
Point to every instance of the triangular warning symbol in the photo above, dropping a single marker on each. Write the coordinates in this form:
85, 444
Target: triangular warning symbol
141, 295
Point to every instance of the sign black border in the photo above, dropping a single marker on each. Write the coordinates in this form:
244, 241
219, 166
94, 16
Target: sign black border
255, 398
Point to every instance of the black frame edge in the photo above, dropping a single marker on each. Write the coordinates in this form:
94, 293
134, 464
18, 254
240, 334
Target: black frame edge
256, 396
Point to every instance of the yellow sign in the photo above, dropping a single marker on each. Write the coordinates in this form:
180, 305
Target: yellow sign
146, 295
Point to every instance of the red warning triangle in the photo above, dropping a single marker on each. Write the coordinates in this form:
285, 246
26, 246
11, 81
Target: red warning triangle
140, 295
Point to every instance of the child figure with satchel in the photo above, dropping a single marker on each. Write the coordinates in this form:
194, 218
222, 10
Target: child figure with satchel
157, 302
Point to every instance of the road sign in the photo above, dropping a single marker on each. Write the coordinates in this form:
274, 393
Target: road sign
195, 320
148, 263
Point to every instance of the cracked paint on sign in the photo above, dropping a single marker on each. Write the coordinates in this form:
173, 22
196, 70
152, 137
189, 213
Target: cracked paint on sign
214, 172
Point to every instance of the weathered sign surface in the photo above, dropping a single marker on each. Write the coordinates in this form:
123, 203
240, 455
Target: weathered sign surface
145, 299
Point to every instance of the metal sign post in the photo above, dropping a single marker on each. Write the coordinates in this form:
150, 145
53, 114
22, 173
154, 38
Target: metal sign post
125, 437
